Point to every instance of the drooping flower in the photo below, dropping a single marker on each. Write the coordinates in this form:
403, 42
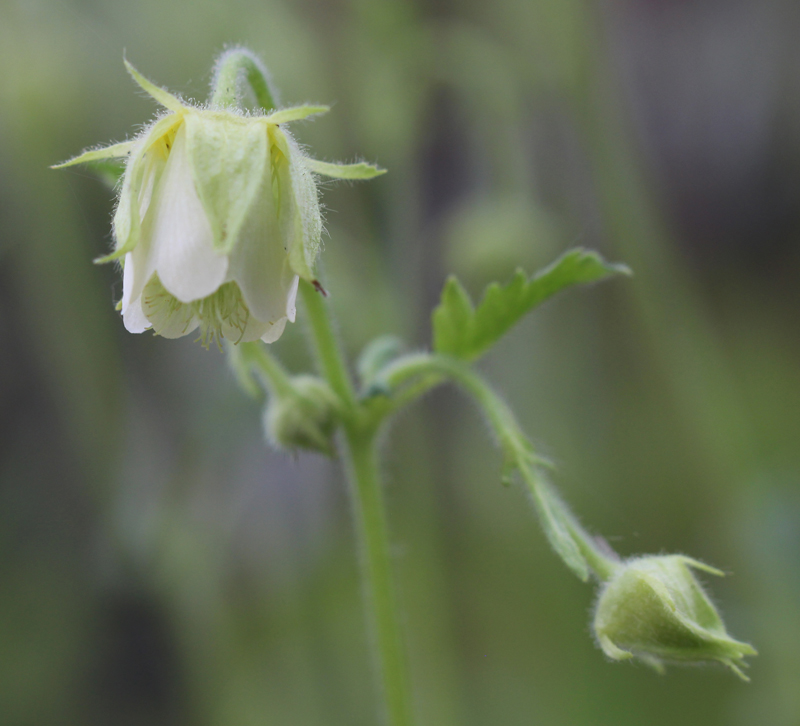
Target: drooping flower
654, 609
217, 219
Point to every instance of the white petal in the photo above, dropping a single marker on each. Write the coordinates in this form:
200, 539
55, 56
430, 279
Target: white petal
134, 319
259, 263
132, 314
182, 241
138, 270
170, 317
275, 331
291, 309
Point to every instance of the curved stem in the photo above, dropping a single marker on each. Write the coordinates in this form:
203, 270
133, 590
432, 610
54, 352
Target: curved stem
272, 372
232, 66
568, 537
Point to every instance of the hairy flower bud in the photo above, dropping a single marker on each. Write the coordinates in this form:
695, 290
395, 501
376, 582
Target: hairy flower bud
217, 219
305, 418
653, 608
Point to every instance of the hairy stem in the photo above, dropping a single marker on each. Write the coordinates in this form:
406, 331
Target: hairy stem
328, 353
376, 566
234, 66
370, 516
421, 371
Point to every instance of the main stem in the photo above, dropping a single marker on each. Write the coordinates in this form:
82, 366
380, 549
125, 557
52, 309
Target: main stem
370, 517
376, 567
365, 486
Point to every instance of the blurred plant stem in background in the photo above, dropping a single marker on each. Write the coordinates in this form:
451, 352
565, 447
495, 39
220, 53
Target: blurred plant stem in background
673, 314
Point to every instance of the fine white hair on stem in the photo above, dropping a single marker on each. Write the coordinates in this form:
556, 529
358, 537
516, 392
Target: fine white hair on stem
259, 64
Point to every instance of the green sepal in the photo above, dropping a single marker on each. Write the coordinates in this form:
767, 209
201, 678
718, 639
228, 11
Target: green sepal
110, 171
298, 205
115, 151
362, 170
229, 159
127, 223
295, 113
461, 330
165, 98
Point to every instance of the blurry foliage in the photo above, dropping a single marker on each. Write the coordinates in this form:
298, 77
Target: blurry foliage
160, 565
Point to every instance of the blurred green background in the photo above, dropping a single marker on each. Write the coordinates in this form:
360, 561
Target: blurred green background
160, 565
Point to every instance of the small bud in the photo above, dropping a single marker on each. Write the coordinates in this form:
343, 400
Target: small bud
653, 608
305, 418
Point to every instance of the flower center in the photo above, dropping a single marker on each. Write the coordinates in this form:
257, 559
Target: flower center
223, 314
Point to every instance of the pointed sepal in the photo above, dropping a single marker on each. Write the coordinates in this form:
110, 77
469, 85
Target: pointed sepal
115, 151
295, 113
361, 170
229, 165
164, 97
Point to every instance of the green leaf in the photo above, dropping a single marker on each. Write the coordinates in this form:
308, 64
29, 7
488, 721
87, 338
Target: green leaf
557, 521
461, 330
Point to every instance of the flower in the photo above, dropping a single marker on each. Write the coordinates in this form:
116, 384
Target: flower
217, 219
653, 608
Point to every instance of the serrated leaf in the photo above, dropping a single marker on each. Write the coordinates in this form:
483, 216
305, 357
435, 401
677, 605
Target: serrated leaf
464, 331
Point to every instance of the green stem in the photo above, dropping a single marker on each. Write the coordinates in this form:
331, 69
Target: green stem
429, 370
327, 347
272, 372
232, 66
370, 516
376, 566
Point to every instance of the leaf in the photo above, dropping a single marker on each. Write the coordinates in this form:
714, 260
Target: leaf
461, 330
558, 523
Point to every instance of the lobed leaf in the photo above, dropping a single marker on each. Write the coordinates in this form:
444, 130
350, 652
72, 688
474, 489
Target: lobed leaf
464, 331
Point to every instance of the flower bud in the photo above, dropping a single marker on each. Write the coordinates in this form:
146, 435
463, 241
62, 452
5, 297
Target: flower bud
653, 608
305, 418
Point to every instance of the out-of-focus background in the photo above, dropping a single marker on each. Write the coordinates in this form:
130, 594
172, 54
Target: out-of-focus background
159, 564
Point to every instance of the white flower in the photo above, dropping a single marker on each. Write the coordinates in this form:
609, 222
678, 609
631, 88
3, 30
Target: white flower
218, 218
